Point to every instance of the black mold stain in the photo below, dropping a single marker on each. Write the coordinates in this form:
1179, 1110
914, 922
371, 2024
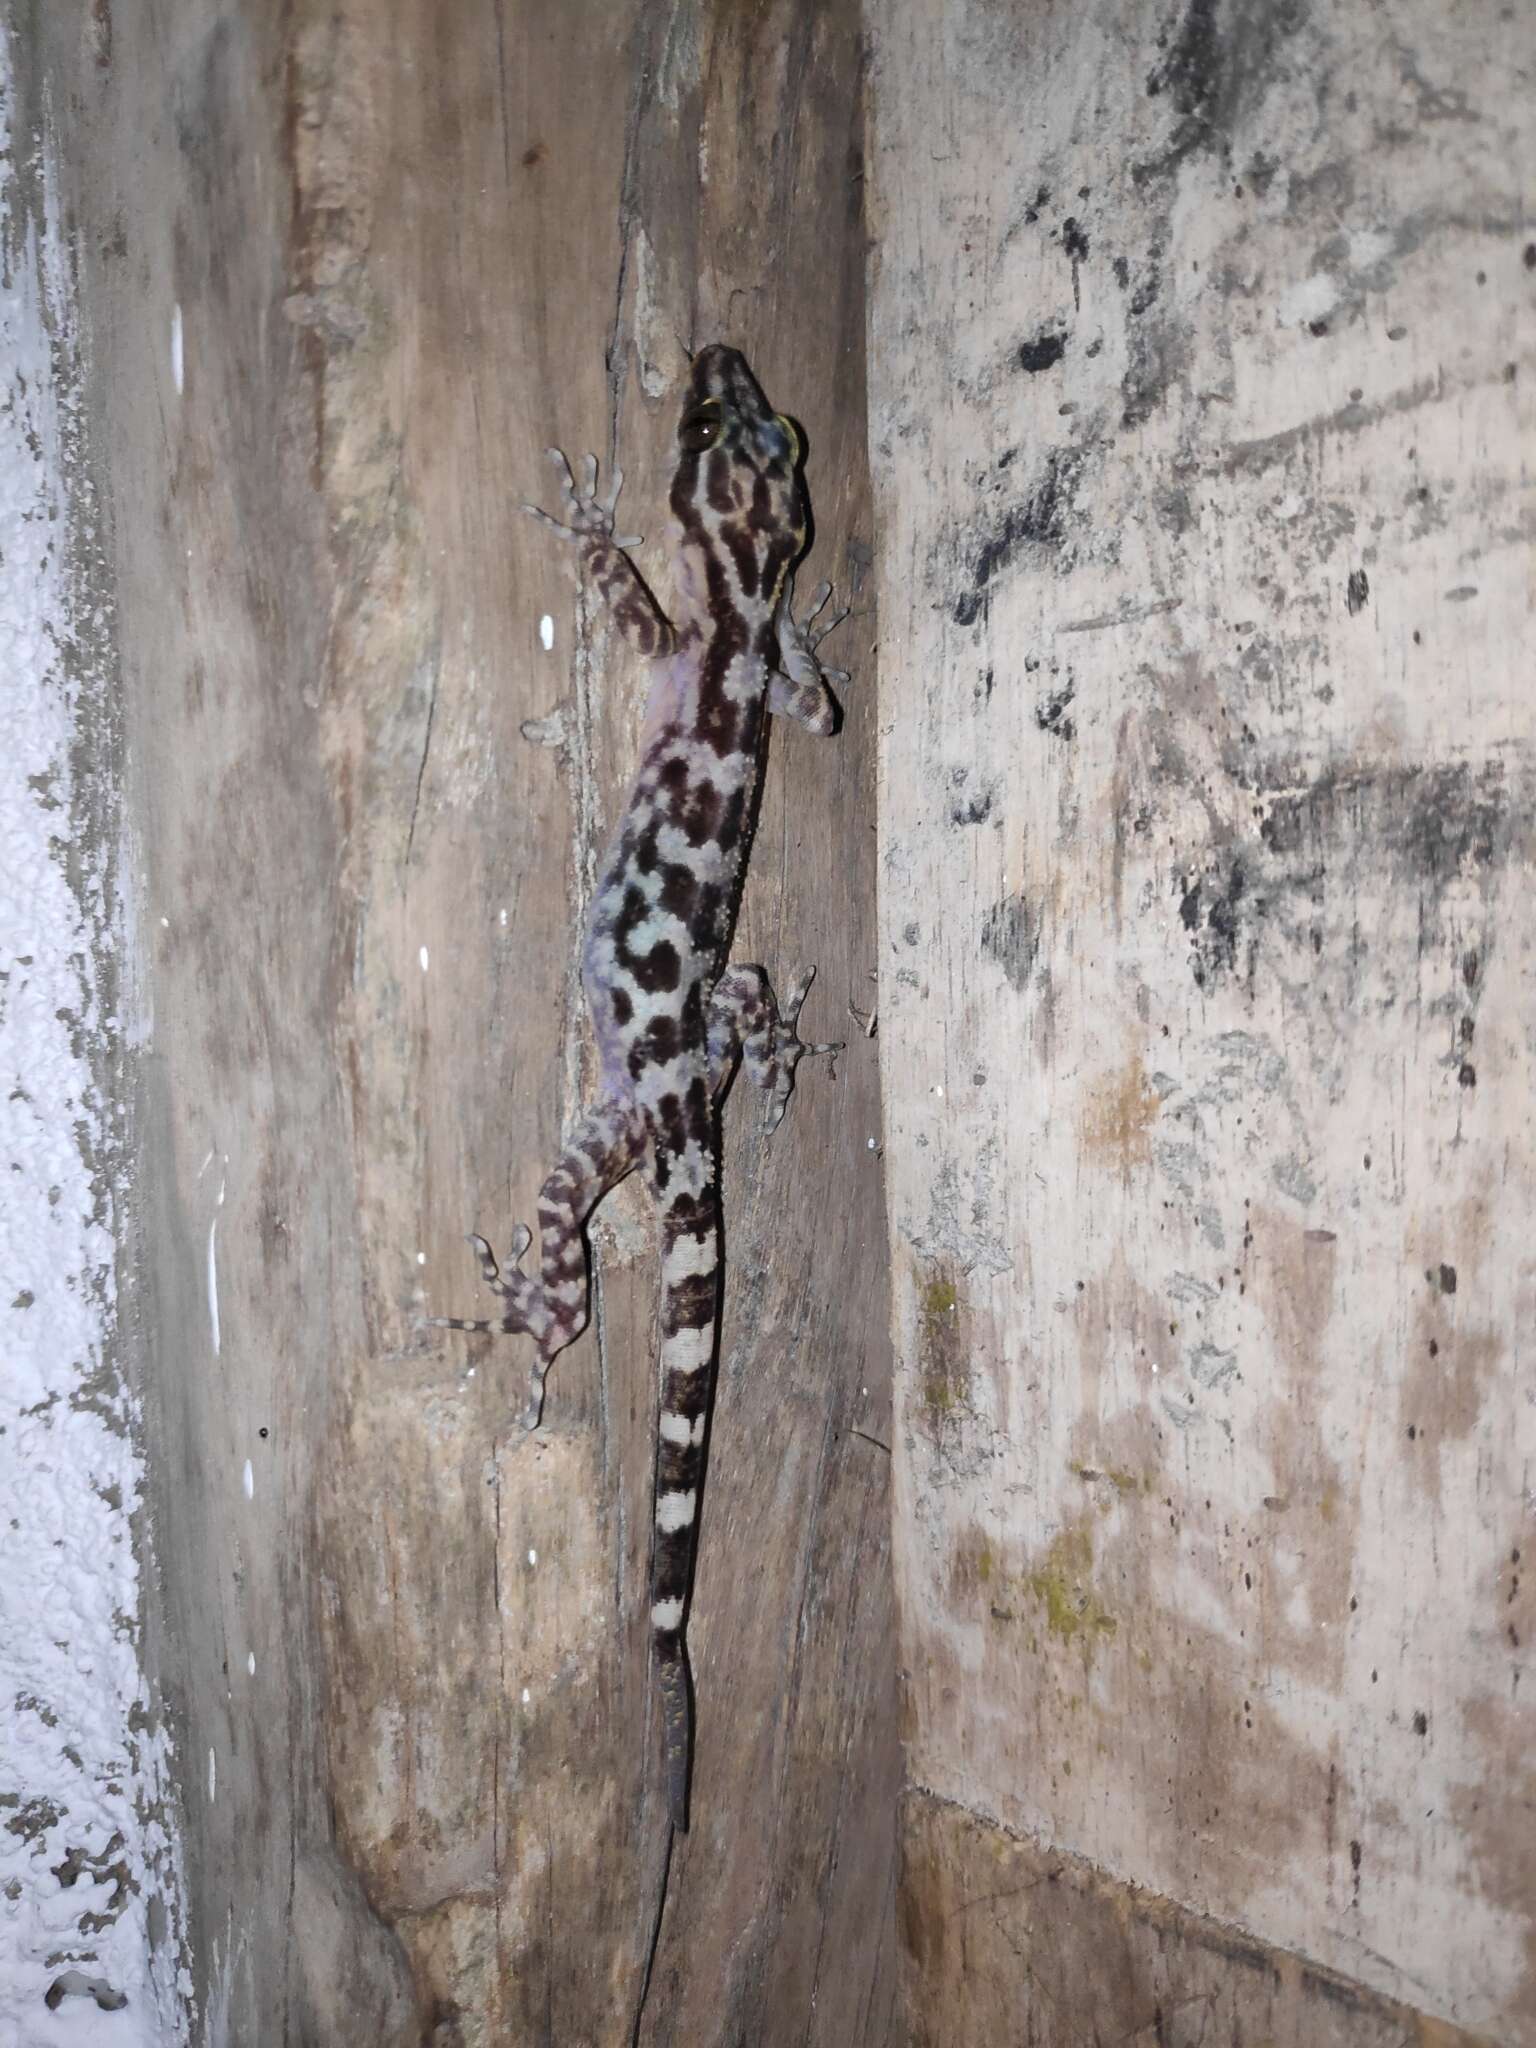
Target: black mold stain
1051, 712
1042, 352
1010, 935
1358, 591
1211, 908
973, 810
1433, 821
1420, 829
1156, 356
1074, 239
1040, 521
1445, 1279
1144, 294
1122, 270
1211, 75
1175, 514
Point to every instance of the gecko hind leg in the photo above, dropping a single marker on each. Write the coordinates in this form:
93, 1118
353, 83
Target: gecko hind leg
553, 1308
517, 1289
745, 1019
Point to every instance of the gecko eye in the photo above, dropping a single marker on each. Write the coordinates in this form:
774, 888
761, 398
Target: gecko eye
700, 430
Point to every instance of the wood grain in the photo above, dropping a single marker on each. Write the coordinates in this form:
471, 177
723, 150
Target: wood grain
411, 245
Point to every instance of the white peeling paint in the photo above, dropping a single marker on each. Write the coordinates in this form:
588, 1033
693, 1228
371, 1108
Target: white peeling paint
250, 1663
533, 1557
248, 1481
422, 956
178, 362
213, 1776
85, 1764
546, 632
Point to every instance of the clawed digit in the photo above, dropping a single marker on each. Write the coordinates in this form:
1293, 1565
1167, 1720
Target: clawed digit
587, 516
799, 639
789, 1049
514, 1289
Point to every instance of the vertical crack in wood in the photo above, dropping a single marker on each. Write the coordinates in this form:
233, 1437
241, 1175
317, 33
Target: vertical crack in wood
497, 1893
655, 1943
426, 748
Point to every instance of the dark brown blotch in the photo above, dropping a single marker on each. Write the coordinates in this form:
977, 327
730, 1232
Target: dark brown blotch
695, 1031
718, 484
705, 928
690, 1303
700, 817
678, 893
744, 555
732, 818
718, 723
696, 1111
658, 971
691, 1215
660, 1042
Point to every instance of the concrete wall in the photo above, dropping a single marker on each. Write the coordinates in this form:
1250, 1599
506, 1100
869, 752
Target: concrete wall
1201, 352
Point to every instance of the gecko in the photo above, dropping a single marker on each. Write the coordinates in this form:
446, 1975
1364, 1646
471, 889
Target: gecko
671, 1018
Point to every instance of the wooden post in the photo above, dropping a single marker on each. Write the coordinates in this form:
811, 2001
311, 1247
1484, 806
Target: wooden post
402, 248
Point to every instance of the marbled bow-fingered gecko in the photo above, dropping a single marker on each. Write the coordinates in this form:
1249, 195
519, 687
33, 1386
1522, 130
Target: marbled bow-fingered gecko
671, 1019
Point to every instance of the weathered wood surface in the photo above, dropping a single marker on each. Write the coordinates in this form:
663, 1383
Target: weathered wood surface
1201, 373
403, 247
1014, 1942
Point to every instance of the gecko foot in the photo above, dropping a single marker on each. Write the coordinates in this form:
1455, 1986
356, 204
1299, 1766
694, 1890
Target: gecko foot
522, 1295
789, 1049
587, 516
800, 638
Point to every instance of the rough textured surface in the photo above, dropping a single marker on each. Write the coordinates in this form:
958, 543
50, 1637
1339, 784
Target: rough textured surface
1006, 1941
350, 268
1201, 370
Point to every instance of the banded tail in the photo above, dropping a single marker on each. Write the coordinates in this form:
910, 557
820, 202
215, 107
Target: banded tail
690, 1297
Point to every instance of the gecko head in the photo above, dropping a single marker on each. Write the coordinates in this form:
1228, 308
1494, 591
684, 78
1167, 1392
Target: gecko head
737, 492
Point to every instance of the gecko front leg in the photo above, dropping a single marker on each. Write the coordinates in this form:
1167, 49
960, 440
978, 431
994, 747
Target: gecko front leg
798, 688
746, 1022
589, 522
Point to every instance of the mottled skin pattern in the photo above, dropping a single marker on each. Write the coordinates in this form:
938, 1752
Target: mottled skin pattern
671, 1020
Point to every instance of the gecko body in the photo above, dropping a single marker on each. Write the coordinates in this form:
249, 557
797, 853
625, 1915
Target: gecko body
671, 1019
